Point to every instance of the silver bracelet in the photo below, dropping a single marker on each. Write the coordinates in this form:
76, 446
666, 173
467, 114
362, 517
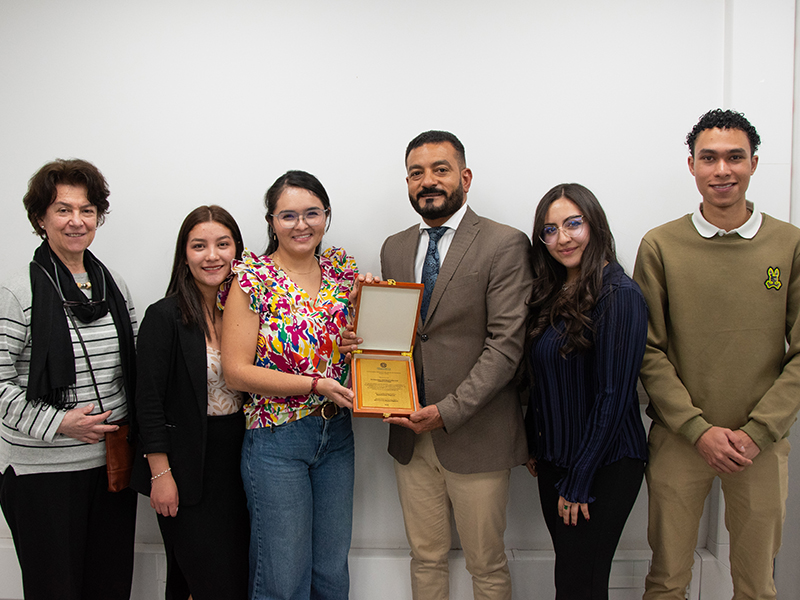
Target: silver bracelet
154, 477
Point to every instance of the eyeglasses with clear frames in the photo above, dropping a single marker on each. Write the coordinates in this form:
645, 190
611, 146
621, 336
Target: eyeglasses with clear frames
573, 227
312, 217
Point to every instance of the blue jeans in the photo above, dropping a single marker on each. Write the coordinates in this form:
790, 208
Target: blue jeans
298, 479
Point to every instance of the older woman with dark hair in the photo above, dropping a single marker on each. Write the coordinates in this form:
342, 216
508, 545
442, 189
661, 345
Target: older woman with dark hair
190, 422
587, 329
67, 372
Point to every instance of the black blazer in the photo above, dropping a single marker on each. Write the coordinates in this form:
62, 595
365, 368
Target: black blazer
171, 399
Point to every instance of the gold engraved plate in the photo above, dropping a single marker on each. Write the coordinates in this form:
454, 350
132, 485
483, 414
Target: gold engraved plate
386, 318
385, 384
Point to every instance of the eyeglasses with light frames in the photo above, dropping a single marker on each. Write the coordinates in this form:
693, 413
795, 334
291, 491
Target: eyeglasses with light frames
573, 227
289, 219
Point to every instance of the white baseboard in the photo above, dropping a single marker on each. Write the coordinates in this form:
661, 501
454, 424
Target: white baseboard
10, 578
386, 571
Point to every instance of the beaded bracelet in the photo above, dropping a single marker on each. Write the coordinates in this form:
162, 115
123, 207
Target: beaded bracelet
154, 477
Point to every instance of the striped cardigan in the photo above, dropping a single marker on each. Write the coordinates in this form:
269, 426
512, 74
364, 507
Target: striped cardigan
28, 438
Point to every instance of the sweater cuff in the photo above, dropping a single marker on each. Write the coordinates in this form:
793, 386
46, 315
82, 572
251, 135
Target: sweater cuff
694, 428
50, 433
758, 433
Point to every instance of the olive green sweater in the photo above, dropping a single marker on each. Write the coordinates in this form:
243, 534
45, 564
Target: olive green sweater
723, 340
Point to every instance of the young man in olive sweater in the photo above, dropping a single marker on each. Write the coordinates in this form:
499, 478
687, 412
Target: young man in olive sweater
722, 365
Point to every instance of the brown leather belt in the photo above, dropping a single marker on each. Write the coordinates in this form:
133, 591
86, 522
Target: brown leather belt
326, 410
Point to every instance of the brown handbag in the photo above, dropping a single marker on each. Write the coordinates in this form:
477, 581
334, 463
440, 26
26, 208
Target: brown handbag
119, 456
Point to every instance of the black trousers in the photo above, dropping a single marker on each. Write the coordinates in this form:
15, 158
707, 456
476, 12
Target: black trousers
584, 552
208, 544
74, 539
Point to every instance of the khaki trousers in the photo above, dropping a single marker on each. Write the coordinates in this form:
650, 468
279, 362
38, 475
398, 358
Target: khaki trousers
678, 481
478, 501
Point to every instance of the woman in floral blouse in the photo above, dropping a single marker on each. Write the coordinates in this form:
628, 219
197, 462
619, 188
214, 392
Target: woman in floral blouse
282, 344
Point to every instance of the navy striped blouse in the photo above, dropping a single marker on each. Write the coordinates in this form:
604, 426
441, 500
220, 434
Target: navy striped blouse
584, 410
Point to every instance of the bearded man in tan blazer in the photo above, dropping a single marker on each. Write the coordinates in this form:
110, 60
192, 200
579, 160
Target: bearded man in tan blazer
456, 452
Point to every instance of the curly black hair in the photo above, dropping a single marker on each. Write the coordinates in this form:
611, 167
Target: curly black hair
723, 119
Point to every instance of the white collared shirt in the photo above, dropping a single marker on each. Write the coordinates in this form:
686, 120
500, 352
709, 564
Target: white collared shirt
444, 242
747, 231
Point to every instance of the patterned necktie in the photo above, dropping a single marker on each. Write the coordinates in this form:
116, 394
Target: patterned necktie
430, 270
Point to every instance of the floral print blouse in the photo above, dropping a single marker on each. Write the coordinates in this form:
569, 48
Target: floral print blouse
298, 334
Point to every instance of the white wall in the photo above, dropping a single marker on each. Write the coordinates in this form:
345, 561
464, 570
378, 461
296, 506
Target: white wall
185, 103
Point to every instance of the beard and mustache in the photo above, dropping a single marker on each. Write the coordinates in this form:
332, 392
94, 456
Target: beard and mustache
452, 202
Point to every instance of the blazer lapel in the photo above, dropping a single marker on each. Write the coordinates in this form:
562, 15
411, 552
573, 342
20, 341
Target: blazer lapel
465, 235
407, 255
193, 350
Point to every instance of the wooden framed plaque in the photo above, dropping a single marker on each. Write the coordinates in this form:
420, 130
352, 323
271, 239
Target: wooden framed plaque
382, 368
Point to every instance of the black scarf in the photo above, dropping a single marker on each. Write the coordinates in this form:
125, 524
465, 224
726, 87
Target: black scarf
52, 372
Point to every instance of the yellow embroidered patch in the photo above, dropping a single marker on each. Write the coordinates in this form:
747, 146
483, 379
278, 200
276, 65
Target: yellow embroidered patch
773, 278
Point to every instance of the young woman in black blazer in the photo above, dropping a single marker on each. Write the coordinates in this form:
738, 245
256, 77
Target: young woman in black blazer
190, 424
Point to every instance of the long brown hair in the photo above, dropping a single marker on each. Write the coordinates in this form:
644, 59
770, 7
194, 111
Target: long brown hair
550, 302
181, 282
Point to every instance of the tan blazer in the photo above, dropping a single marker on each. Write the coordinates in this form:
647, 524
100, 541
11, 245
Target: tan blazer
470, 346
